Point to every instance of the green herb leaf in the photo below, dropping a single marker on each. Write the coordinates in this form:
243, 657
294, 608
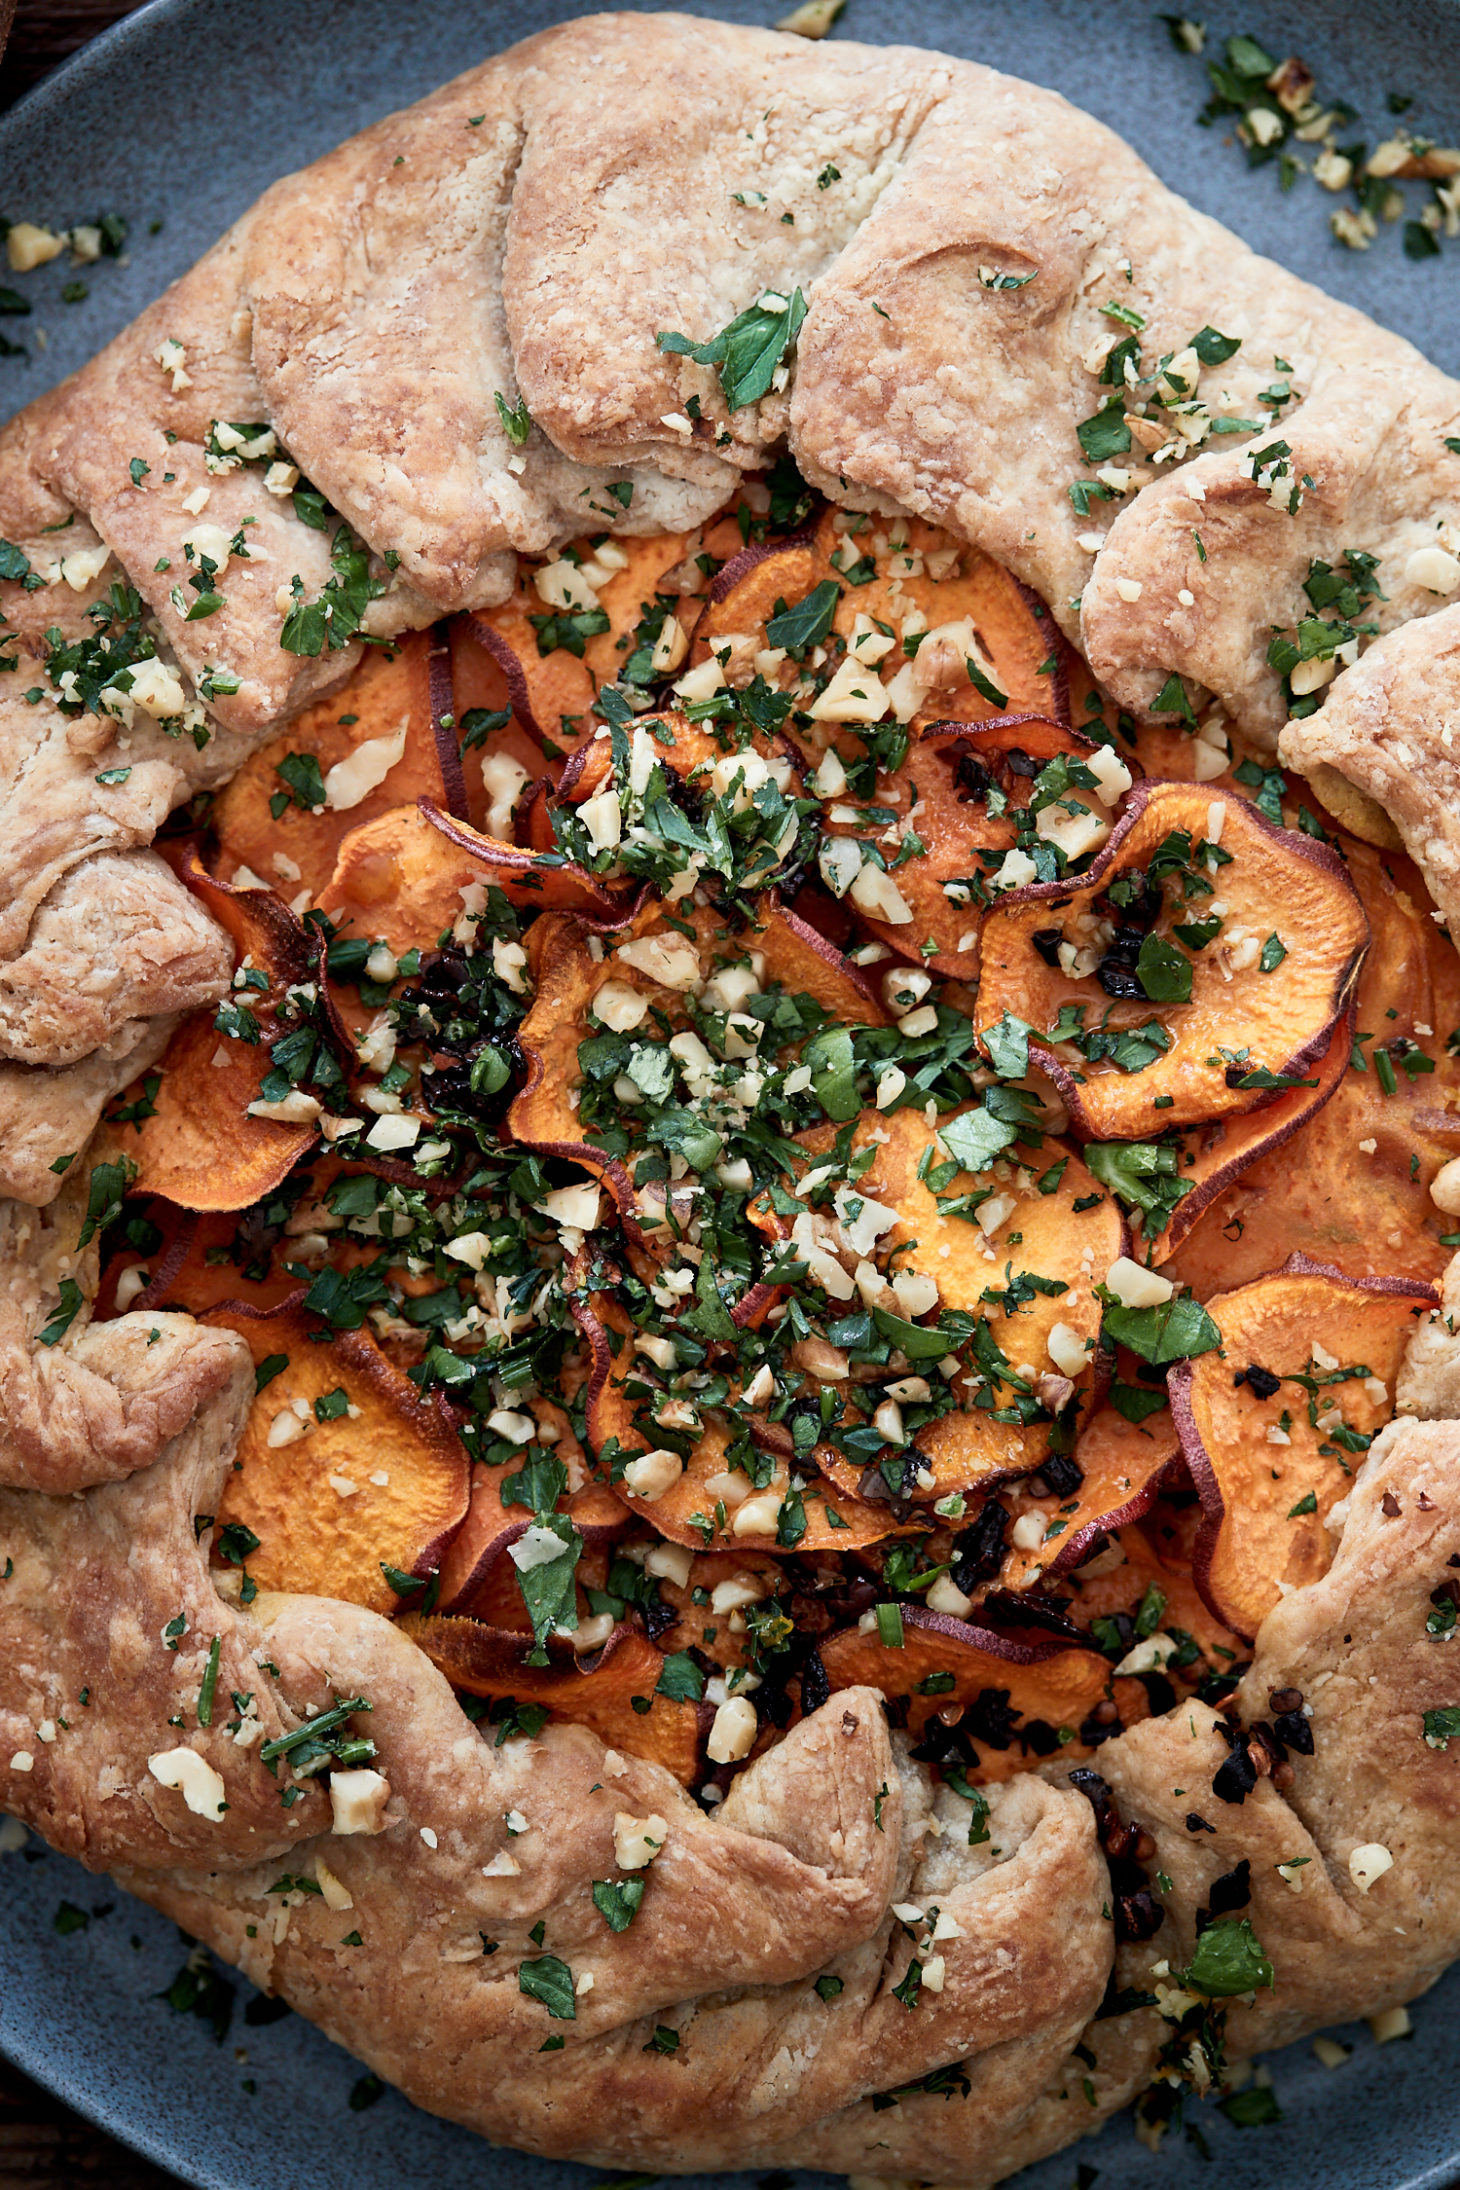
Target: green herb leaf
1175, 1331
1252, 2108
1228, 1961
1172, 700
1213, 348
1106, 434
1146, 1175
1163, 971
64, 1315
1007, 1043
1442, 1725
550, 1981
680, 1678
617, 1900
516, 419
800, 628
108, 1184
976, 1138
747, 352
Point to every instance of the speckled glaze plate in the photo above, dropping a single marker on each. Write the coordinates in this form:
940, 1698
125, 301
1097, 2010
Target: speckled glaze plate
178, 118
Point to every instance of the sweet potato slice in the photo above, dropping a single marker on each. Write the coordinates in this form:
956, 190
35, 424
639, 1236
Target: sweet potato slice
551, 695
197, 1145
985, 1262
1273, 1427
489, 1527
1199, 1029
260, 821
800, 960
726, 1640
632, 592
1207, 1159
955, 772
478, 682
709, 1505
342, 1466
544, 1115
192, 1266
1122, 1466
406, 877
600, 1692
980, 1681
1353, 1187
1144, 1573
969, 606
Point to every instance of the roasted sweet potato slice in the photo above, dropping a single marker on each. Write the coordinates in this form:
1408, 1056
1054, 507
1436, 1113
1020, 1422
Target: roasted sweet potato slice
927, 590
1171, 1025
568, 977
600, 1692
372, 748
551, 693
1129, 1579
198, 1261
489, 1527
742, 597
724, 1638
1275, 1425
1122, 1466
999, 1258
406, 877
1353, 1187
710, 1505
957, 791
981, 1682
196, 1144
342, 1467
1209, 1158
682, 747
730, 817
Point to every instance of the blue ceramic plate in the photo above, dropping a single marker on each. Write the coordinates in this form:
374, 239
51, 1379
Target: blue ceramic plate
178, 118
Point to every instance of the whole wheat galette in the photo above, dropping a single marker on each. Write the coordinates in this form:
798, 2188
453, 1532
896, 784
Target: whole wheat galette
728, 1073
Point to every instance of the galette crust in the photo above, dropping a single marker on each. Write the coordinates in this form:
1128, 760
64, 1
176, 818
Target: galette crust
1390, 725
793, 1876
374, 309
370, 312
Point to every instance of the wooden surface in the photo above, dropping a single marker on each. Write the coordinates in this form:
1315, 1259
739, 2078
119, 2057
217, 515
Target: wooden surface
43, 2145
42, 33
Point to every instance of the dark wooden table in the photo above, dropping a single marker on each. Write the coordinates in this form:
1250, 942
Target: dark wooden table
43, 2145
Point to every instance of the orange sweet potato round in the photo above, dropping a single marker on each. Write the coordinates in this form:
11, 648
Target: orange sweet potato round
386, 702
1146, 1561
342, 1465
711, 1506
1214, 1155
967, 605
544, 1115
1353, 1187
942, 793
601, 1691
199, 1147
943, 1665
1019, 1229
1122, 1466
405, 877
1275, 1425
1215, 1023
